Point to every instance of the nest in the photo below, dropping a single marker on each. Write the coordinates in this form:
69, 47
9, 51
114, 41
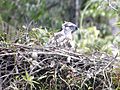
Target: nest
24, 67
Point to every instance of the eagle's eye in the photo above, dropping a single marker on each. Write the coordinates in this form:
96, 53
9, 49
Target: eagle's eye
73, 28
76, 28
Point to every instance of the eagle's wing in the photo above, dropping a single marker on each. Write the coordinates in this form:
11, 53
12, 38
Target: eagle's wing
56, 40
59, 40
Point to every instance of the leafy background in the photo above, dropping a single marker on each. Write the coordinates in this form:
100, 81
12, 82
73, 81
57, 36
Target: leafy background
27, 21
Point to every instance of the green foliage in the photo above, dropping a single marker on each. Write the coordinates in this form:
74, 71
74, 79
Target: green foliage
98, 13
90, 41
100, 7
19, 12
23, 11
2, 36
39, 34
29, 80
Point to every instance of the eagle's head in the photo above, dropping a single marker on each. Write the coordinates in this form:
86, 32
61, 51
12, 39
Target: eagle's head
69, 27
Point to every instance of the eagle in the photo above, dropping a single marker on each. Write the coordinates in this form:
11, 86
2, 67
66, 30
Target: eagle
63, 38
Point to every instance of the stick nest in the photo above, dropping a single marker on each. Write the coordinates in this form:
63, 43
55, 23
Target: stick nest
27, 68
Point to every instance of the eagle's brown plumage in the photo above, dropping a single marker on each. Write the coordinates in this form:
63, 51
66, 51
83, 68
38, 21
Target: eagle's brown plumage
64, 37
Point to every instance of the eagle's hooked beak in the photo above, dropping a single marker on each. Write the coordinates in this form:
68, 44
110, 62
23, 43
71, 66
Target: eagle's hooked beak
74, 29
